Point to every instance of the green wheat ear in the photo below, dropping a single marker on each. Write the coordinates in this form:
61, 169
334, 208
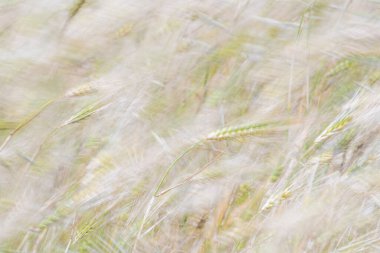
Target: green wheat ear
55, 217
79, 91
85, 230
221, 134
276, 174
277, 199
340, 67
333, 128
240, 131
86, 112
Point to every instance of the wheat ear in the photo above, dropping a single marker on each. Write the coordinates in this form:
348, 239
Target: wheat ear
240, 131
332, 129
80, 91
222, 134
84, 113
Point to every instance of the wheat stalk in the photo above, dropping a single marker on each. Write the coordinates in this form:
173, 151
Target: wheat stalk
187, 179
23, 124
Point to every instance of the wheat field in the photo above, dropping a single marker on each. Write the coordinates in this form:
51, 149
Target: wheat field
190, 126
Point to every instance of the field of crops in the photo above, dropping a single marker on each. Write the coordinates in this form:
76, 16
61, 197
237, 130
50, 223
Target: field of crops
190, 126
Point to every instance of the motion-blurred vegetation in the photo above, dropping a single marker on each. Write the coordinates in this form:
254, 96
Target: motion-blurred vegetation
198, 126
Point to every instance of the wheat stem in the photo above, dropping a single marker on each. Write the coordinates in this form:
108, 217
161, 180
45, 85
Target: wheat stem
187, 179
24, 123
173, 164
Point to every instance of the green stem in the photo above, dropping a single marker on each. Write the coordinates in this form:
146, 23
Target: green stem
172, 165
24, 123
